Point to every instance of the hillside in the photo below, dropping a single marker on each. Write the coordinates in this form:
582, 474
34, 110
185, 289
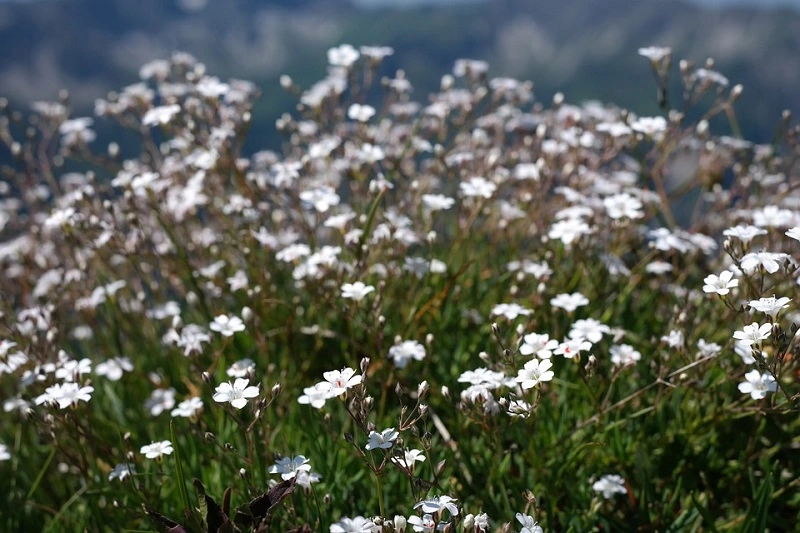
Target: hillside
584, 48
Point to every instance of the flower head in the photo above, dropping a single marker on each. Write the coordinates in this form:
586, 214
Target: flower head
753, 334
610, 485
288, 467
227, 326
534, 372
338, 381
757, 385
383, 440
157, 450
236, 393
356, 291
721, 284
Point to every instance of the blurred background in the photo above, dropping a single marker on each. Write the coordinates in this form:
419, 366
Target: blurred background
586, 49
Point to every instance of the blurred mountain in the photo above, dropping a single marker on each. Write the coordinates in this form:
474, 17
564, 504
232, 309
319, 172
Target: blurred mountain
584, 48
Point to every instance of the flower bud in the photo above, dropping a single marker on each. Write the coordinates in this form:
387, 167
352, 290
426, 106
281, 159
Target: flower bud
422, 389
400, 523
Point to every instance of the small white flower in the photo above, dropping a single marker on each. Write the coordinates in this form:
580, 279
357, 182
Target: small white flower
510, 311
478, 186
227, 326
409, 457
721, 284
241, 368
114, 368
569, 302
437, 504
624, 355
343, 56
383, 440
4, 455
753, 334
157, 450
534, 372
771, 306
610, 485
361, 113
757, 385
437, 202
528, 524
188, 408
121, 471
315, 397
541, 345
744, 233
288, 467
356, 291
769, 261
572, 348
338, 381
236, 393
406, 351
794, 233
656, 54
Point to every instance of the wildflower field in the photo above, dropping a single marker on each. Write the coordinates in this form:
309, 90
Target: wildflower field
469, 311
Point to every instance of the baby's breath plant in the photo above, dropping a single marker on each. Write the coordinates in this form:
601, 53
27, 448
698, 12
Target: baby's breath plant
465, 311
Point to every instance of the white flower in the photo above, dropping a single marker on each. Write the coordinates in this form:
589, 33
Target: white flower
623, 206
567, 231
121, 471
343, 56
383, 440
426, 524
409, 457
624, 355
322, 198
721, 284
114, 368
478, 186
744, 233
529, 525
770, 262
510, 311
757, 385
236, 393
569, 302
305, 479
541, 345
65, 395
406, 351
437, 202
4, 455
160, 115
753, 334
535, 372
770, 305
361, 113
437, 504
157, 449
794, 233
188, 408
315, 397
226, 326
356, 291
288, 467
590, 329
610, 485
160, 400
571, 348
338, 381
357, 524
656, 54
650, 126
241, 368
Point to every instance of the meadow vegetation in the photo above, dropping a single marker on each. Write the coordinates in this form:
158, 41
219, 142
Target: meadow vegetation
469, 311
